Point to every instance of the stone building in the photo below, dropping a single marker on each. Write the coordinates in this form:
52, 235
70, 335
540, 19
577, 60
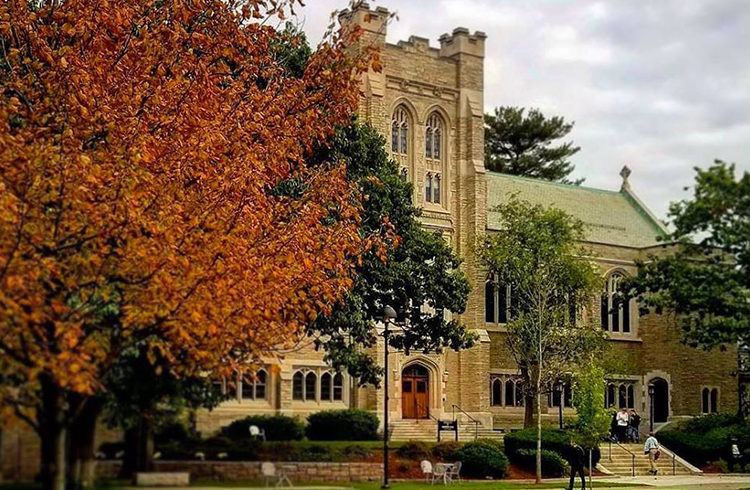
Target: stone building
428, 101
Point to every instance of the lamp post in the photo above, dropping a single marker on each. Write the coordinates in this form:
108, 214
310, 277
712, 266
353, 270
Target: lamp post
389, 315
651, 389
559, 389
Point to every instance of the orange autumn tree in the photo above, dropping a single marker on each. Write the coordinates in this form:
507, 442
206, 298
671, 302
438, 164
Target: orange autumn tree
153, 193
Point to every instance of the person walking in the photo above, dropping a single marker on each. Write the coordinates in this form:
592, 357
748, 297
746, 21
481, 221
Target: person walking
576, 457
622, 424
651, 449
634, 427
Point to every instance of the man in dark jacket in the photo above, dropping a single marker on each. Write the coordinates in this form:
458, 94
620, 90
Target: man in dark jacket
577, 460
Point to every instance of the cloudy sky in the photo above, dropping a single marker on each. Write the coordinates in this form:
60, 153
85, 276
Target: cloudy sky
661, 86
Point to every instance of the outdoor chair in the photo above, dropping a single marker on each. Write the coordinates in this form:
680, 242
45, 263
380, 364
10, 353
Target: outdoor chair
269, 473
454, 472
257, 433
426, 468
439, 472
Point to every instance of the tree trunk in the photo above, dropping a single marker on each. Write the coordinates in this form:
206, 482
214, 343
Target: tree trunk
82, 445
538, 429
528, 400
52, 434
139, 447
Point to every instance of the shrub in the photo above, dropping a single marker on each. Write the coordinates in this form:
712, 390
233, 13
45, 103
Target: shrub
705, 423
698, 449
481, 459
342, 425
277, 428
173, 432
552, 439
447, 451
553, 465
416, 450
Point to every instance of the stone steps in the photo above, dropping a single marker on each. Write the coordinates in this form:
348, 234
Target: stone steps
621, 462
426, 430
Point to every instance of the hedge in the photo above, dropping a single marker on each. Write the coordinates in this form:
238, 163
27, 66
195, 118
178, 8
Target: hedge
706, 438
555, 440
223, 448
342, 425
553, 465
276, 427
481, 459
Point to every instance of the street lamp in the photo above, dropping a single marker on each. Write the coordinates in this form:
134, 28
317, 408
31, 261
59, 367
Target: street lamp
651, 389
559, 387
389, 315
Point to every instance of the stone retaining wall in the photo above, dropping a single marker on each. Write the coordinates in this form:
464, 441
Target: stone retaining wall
250, 470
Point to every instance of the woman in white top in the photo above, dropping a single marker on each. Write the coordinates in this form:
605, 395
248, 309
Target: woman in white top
651, 447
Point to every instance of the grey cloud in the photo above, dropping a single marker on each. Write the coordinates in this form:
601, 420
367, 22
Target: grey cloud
660, 85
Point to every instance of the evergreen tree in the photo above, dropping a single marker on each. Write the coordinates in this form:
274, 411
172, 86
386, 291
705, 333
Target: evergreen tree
518, 142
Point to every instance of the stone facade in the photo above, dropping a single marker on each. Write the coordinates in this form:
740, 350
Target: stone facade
250, 470
422, 88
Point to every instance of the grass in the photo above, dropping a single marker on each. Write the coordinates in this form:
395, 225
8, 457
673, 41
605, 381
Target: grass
406, 485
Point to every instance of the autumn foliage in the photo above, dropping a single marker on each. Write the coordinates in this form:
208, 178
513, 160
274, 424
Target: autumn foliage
153, 190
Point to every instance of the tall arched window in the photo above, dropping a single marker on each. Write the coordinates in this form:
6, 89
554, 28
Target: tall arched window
497, 301
615, 315
428, 187
298, 386
311, 382
436, 189
433, 137
610, 401
325, 387
510, 393
497, 392
709, 400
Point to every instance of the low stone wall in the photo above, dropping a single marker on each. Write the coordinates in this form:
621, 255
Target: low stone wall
250, 470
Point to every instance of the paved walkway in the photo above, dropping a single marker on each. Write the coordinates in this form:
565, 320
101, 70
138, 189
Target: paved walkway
709, 481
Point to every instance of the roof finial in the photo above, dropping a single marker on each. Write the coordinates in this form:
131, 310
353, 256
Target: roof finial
625, 173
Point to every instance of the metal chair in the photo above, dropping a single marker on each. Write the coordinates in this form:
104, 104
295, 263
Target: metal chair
426, 468
257, 433
454, 472
268, 470
439, 472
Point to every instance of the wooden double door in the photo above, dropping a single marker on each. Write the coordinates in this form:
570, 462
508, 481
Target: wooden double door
415, 392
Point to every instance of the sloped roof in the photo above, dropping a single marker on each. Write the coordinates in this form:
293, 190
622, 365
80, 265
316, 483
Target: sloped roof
611, 217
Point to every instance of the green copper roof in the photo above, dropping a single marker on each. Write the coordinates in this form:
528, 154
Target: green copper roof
611, 217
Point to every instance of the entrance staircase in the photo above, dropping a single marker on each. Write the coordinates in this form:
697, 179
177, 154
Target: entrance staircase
625, 459
426, 430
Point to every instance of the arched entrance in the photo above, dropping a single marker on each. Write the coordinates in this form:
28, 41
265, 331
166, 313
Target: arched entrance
660, 400
415, 392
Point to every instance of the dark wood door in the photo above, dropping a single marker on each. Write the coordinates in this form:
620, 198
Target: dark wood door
415, 393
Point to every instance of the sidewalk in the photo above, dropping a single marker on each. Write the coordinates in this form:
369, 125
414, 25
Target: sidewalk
707, 481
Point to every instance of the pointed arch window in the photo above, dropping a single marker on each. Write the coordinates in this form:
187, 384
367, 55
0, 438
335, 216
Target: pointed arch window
311, 385
428, 187
497, 392
433, 137
709, 400
436, 189
615, 315
298, 386
498, 305
325, 386
400, 131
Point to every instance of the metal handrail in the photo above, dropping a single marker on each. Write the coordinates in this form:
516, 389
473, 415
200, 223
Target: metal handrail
631, 453
476, 422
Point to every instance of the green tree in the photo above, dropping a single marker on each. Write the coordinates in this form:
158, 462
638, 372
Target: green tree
518, 142
420, 276
536, 255
593, 419
703, 275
